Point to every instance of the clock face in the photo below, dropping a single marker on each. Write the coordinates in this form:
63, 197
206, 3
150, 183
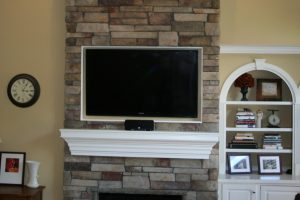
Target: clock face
273, 120
23, 90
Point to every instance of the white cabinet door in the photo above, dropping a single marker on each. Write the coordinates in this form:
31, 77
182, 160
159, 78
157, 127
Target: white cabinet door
239, 192
279, 192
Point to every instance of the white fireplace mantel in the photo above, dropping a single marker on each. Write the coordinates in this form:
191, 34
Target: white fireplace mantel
148, 144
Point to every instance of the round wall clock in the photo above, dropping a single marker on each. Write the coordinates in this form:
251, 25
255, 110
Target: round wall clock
23, 90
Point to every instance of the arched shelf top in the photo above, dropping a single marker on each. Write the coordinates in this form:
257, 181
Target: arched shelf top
260, 64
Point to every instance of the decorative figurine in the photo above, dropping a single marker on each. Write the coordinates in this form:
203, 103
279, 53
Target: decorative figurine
259, 116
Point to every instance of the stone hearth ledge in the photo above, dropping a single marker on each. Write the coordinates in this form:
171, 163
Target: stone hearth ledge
147, 144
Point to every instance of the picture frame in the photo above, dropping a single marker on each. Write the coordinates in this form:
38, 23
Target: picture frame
239, 163
12, 167
269, 164
268, 89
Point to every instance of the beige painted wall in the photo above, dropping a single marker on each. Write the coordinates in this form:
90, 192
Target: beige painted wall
32, 41
256, 22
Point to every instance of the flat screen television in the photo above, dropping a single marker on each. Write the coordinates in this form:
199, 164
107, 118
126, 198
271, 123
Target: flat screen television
156, 83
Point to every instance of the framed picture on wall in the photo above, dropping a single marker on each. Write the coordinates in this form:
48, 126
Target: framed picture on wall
239, 163
269, 164
12, 168
269, 90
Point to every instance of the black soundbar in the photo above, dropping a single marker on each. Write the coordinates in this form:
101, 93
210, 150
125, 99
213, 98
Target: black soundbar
139, 125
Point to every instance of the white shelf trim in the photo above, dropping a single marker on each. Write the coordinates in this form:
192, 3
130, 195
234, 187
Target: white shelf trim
279, 103
259, 129
252, 49
148, 144
258, 151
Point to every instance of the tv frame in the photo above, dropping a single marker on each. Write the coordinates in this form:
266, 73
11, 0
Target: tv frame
84, 117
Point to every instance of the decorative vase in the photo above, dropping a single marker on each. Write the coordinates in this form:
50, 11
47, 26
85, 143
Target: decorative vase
33, 168
244, 91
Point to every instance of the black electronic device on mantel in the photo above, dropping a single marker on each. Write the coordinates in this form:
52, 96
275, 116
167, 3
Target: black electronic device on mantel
156, 83
139, 125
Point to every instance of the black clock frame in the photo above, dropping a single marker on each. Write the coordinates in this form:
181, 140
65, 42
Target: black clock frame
35, 84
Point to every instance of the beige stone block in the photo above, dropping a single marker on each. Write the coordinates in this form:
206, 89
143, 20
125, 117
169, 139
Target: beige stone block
162, 177
186, 163
110, 184
168, 39
121, 28
206, 10
99, 40
92, 27
123, 42
128, 15
108, 167
190, 17
188, 26
158, 169
183, 177
210, 76
210, 118
90, 183
86, 2
212, 29
138, 182
152, 28
194, 41
200, 177
133, 34
190, 170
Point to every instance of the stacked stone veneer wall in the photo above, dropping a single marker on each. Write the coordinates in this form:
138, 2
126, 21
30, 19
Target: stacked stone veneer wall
141, 23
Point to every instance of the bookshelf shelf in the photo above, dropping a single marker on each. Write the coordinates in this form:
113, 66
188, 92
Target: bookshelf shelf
263, 151
233, 129
270, 103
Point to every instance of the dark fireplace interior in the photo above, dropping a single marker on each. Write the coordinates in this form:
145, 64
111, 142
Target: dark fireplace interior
119, 196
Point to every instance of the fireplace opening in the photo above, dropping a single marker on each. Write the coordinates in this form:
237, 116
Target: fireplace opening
122, 196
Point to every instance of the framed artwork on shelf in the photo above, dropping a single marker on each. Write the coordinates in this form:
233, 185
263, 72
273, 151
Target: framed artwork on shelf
269, 164
269, 90
12, 168
239, 163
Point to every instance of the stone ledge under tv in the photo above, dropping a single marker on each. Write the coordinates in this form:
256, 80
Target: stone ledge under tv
154, 144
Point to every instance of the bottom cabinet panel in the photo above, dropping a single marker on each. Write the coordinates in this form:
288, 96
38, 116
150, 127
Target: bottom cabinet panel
239, 192
279, 193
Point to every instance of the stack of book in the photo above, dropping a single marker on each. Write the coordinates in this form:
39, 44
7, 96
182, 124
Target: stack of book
245, 119
243, 141
272, 141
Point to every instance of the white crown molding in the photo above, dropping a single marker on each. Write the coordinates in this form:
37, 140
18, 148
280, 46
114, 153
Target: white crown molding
147, 144
245, 49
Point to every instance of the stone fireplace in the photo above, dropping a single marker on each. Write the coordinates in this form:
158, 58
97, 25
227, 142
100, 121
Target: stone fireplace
142, 23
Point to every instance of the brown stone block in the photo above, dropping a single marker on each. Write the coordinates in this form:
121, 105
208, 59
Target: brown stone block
211, 62
173, 9
95, 17
86, 9
210, 117
72, 99
170, 185
138, 182
212, 50
195, 41
133, 34
120, 2
73, 49
190, 34
100, 40
74, 17
147, 42
86, 175
112, 176
83, 41
196, 3
188, 26
152, 28
86, 2
186, 163
213, 18
136, 8
159, 18
121, 28
71, 27
70, 41
161, 2
207, 10
204, 185
162, 176
123, 42
134, 21
207, 196
72, 115
73, 68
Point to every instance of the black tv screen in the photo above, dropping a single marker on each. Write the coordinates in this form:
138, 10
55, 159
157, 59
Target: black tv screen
141, 82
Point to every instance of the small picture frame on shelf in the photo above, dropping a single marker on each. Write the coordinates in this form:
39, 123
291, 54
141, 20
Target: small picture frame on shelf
239, 163
269, 164
269, 90
12, 168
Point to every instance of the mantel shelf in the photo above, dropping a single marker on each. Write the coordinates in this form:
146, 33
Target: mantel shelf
151, 144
